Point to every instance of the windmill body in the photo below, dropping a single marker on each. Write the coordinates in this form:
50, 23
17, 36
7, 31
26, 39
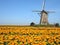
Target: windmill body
44, 15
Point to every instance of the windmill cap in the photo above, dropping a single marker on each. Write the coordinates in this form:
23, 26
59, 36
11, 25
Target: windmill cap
44, 11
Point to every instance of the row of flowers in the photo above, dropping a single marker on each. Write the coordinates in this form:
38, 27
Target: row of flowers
44, 39
29, 37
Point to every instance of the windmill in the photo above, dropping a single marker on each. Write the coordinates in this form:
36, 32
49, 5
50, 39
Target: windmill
44, 15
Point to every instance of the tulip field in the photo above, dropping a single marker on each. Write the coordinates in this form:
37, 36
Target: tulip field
17, 35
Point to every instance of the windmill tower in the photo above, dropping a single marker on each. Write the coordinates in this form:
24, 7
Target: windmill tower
44, 18
44, 14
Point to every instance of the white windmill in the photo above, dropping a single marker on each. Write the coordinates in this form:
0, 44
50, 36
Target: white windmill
44, 15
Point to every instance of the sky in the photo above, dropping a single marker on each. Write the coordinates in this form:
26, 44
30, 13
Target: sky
19, 12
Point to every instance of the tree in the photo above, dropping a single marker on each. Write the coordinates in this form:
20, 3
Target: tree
57, 25
32, 24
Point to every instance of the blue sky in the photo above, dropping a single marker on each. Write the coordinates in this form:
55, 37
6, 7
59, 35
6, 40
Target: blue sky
19, 12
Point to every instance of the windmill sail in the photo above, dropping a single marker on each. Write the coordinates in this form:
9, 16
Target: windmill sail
43, 6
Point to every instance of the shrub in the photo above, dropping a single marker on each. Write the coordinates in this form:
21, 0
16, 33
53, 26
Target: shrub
32, 24
57, 25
